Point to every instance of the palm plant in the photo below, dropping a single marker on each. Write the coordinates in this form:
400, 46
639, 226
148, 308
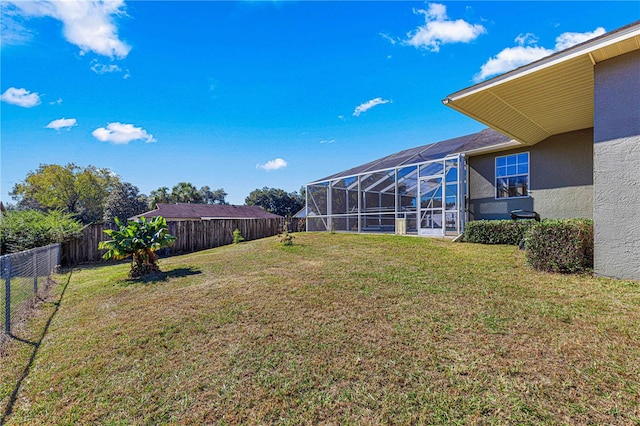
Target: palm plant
139, 240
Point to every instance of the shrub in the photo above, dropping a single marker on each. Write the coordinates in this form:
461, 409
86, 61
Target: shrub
284, 236
237, 236
561, 245
140, 240
497, 231
26, 229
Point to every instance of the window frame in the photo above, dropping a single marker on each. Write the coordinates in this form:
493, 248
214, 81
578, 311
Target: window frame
516, 175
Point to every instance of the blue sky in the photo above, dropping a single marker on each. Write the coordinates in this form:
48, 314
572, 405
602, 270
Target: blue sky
241, 95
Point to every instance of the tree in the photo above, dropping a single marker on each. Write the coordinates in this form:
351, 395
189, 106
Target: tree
213, 197
72, 189
140, 240
160, 195
123, 202
186, 192
276, 201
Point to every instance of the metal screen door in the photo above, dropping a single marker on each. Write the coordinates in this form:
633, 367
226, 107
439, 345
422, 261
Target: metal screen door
431, 206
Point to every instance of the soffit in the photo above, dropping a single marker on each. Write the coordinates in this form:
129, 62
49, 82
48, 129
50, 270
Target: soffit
551, 96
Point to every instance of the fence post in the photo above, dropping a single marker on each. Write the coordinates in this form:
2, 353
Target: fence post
6, 268
35, 273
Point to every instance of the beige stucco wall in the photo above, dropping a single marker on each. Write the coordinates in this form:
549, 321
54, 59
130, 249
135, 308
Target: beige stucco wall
560, 180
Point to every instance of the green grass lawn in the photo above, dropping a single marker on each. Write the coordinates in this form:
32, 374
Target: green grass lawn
337, 329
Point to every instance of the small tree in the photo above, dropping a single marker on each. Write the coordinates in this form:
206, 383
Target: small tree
140, 240
237, 236
284, 236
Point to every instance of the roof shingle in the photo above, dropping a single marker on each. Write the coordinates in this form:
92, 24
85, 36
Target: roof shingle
433, 151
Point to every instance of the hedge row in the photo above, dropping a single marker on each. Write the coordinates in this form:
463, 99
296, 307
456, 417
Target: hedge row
497, 231
27, 229
551, 245
561, 245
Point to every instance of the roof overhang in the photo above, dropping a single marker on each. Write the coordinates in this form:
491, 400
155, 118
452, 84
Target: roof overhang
493, 148
550, 96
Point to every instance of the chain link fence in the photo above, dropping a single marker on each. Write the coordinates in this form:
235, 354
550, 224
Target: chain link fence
25, 275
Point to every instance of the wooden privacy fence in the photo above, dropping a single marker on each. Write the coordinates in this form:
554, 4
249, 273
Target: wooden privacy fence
192, 235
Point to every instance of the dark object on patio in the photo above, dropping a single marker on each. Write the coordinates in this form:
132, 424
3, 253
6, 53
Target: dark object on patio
524, 214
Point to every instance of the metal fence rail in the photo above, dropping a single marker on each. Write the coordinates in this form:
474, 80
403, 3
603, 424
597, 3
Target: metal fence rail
24, 276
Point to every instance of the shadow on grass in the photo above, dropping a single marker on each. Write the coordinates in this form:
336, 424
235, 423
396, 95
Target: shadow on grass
36, 347
162, 276
93, 265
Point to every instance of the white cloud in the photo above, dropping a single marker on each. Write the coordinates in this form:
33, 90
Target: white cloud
566, 40
56, 102
119, 133
12, 26
327, 141
528, 51
87, 24
99, 68
388, 38
368, 105
275, 164
439, 30
511, 58
20, 97
62, 123
528, 38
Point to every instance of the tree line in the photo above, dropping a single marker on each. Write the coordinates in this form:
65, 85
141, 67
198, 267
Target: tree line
92, 195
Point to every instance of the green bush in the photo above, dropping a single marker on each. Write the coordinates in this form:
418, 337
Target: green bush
561, 245
140, 240
27, 229
284, 236
497, 231
237, 236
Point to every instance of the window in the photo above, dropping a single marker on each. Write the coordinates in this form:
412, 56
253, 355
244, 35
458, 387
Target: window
512, 175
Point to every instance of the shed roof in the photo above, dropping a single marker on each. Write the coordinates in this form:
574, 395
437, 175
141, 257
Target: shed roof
550, 96
487, 138
206, 211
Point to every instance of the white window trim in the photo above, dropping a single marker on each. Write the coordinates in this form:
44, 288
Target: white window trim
495, 176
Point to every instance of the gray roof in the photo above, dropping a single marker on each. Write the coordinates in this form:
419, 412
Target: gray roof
433, 151
206, 211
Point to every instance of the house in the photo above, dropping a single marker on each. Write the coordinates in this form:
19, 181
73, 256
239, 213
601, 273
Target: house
576, 116
564, 141
191, 211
